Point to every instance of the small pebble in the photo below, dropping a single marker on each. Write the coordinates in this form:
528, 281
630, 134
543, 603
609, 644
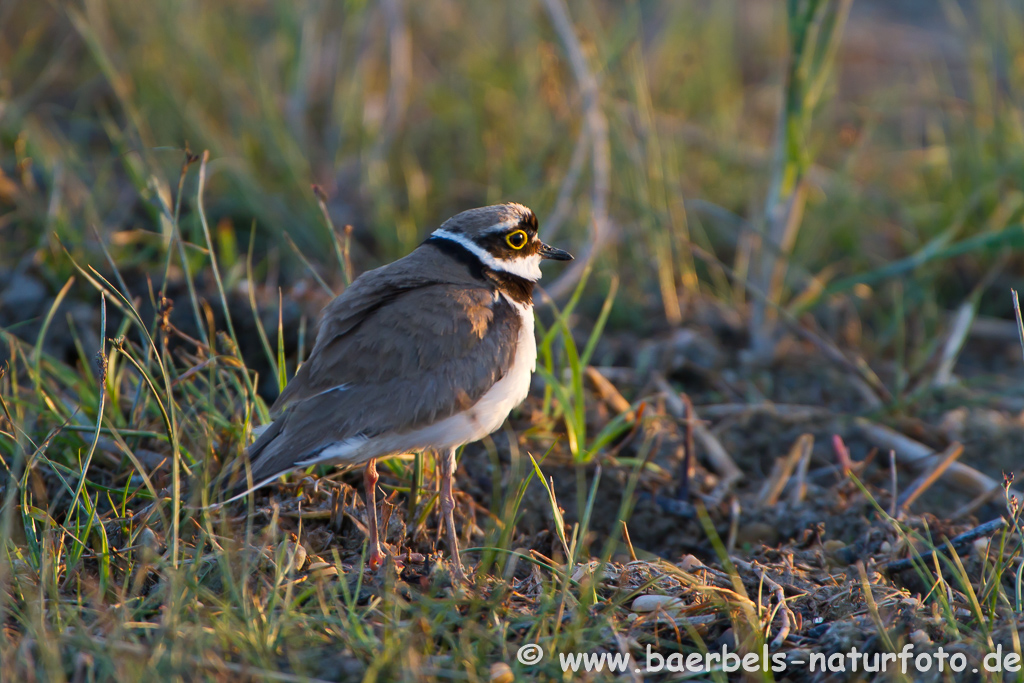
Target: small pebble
757, 533
501, 673
920, 637
322, 569
689, 563
833, 546
834, 552
650, 603
149, 545
294, 553
727, 639
911, 603
583, 570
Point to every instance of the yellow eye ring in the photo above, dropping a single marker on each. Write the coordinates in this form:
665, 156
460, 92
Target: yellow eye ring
517, 239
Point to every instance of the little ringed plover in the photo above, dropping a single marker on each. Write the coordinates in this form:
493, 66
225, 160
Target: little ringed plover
427, 353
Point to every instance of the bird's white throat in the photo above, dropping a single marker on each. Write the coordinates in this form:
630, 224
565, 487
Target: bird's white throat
526, 267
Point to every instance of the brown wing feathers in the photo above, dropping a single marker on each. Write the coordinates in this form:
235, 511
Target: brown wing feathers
407, 344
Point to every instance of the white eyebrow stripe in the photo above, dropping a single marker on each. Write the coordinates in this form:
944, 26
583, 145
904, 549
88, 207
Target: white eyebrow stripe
503, 226
527, 268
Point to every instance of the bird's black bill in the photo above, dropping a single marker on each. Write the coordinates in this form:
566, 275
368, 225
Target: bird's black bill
548, 251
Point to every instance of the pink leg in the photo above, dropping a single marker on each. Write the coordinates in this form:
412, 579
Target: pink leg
447, 508
376, 558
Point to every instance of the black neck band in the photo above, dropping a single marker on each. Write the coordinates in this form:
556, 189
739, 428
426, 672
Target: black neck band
518, 288
460, 254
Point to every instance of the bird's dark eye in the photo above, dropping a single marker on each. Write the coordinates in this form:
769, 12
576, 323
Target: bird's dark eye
517, 239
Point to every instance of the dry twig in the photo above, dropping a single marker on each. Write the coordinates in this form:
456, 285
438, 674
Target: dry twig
719, 458
930, 476
800, 487
786, 616
608, 393
957, 542
783, 470
597, 127
915, 454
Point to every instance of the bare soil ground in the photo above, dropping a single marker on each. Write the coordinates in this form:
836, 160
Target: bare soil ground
807, 517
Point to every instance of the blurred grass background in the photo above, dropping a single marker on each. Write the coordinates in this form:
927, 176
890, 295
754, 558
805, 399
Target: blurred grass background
405, 113
860, 173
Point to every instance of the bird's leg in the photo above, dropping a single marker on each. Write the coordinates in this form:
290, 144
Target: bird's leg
370, 478
447, 508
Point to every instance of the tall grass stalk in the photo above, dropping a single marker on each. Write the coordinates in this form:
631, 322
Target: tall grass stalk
815, 30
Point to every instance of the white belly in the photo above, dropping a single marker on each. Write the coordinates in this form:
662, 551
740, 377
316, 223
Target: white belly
487, 414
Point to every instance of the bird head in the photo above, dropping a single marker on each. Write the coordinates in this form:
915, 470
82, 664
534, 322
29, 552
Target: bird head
504, 237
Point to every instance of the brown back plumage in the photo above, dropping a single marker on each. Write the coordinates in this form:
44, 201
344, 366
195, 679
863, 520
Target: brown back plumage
412, 342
